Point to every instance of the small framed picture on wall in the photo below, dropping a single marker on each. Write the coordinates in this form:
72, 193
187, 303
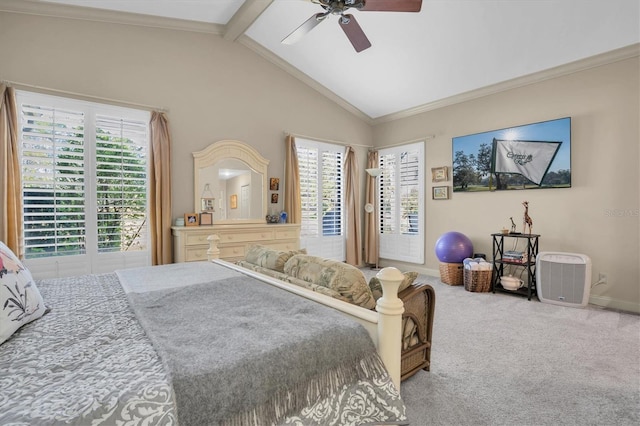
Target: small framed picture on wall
440, 174
274, 184
274, 198
440, 193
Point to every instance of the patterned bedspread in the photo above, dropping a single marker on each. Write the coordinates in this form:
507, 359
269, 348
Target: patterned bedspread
89, 362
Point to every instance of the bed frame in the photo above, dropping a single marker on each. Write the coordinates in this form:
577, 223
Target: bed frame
384, 325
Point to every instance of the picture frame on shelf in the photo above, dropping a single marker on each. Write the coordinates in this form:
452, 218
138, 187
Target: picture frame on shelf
206, 219
440, 193
191, 219
439, 174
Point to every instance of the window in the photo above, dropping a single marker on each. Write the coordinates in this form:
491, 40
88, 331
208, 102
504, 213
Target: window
400, 202
320, 166
84, 183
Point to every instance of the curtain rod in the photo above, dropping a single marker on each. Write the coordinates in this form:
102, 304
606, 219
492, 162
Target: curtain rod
326, 140
370, 147
82, 96
427, 137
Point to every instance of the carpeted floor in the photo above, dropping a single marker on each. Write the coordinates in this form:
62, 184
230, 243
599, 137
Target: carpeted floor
498, 359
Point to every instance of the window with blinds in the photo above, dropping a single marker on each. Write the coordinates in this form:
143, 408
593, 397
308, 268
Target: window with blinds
121, 184
401, 203
84, 182
320, 168
53, 181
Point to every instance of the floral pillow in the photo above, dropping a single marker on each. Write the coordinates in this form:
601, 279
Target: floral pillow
376, 286
20, 300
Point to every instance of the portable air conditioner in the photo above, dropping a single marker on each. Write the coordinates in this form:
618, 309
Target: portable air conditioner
563, 278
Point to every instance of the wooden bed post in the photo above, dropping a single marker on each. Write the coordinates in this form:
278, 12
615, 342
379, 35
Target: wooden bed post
214, 251
390, 308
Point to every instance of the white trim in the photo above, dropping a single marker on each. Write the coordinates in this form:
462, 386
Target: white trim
56, 10
610, 303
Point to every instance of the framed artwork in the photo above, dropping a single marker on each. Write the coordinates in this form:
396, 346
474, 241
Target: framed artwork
440, 193
531, 156
274, 184
191, 219
233, 202
207, 204
440, 174
206, 218
274, 198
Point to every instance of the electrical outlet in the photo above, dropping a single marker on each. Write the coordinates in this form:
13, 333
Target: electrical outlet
602, 278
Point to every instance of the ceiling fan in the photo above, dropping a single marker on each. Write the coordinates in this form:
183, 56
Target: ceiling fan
347, 21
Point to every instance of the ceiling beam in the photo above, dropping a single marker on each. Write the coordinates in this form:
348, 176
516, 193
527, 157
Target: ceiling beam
244, 17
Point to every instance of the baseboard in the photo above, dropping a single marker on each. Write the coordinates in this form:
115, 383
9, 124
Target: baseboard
404, 267
620, 305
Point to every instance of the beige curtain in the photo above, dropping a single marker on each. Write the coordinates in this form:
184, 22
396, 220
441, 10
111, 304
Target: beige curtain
371, 219
10, 182
352, 212
160, 192
292, 203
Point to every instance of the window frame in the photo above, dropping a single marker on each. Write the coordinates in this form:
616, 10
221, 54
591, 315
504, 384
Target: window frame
92, 260
394, 243
331, 245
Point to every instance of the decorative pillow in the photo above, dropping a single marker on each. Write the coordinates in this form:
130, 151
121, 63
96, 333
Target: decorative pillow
20, 300
376, 286
268, 257
340, 277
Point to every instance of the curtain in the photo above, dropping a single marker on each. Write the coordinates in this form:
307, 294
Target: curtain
370, 221
160, 189
352, 212
292, 202
10, 179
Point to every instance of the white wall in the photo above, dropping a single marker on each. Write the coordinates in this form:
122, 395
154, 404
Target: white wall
216, 89
597, 216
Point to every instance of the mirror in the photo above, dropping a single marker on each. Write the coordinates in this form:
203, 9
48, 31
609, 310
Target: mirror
230, 182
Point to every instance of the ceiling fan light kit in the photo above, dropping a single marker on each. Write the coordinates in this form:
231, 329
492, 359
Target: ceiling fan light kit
348, 22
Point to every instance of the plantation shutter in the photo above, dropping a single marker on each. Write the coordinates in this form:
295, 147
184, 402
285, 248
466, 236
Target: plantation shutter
84, 174
309, 172
401, 203
121, 184
53, 162
320, 167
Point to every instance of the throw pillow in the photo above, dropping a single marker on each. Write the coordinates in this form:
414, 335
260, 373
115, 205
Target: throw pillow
20, 300
268, 257
376, 286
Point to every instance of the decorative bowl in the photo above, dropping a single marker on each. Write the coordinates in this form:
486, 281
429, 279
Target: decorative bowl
510, 282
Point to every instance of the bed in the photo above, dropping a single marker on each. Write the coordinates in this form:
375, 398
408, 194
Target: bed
189, 344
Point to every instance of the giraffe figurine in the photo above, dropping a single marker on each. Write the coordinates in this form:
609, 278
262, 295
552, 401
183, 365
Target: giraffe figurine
513, 226
526, 219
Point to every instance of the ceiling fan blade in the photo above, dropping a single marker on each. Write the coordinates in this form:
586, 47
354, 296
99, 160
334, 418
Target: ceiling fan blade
354, 33
303, 29
392, 5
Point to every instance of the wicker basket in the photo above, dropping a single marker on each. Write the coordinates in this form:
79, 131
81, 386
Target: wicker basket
451, 273
477, 281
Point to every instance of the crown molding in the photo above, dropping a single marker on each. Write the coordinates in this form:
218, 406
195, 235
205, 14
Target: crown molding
606, 58
279, 62
57, 10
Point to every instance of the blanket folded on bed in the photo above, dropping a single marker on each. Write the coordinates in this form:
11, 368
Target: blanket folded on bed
296, 352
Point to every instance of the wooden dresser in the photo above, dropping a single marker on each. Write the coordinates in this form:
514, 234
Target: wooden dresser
190, 242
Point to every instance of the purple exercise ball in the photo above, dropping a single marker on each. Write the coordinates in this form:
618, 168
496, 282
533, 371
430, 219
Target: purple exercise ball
453, 247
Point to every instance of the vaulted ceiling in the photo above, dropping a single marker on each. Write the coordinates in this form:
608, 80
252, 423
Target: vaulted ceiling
451, 49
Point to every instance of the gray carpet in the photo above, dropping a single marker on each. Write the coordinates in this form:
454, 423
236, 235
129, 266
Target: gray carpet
498, 359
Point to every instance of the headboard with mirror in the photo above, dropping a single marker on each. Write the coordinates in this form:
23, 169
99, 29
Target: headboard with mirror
230, 181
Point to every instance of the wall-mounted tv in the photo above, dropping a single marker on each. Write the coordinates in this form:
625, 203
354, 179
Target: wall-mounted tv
531, 156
